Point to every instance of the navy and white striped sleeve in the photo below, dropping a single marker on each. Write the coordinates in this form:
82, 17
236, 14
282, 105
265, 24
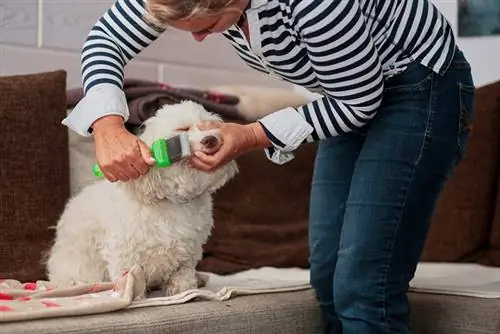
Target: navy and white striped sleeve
119, 35
347, 66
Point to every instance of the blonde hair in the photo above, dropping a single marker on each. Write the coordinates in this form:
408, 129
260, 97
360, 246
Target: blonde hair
160, 12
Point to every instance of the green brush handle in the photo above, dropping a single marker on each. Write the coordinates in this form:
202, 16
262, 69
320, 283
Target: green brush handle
159, 151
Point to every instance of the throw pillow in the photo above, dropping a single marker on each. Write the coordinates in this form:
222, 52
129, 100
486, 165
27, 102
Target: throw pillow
34, 174
261, 217
461, 224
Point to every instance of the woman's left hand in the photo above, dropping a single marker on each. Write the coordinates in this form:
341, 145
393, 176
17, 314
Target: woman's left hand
236, 140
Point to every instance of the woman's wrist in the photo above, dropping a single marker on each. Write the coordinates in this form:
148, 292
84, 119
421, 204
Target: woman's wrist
258, 138
107, 122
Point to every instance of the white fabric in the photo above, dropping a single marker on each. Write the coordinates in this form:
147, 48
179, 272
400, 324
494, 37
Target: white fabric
250, 282
462, 279
289, 127
439, 278
101, 100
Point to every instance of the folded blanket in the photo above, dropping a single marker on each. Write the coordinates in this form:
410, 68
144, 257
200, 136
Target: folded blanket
25, 301
145, 97
461, 279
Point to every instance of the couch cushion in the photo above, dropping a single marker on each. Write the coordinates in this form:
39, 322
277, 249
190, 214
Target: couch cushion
447, 314
280, 313
261, 216
461, 224
487, 257
286, 313
34, 174
253, 229
495, 225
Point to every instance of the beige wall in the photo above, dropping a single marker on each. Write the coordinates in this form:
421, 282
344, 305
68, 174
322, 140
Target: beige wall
39, 35
482, 52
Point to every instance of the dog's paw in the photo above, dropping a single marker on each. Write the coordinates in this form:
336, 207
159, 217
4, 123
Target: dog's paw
141, 292
201, 280
179, 285
141, 295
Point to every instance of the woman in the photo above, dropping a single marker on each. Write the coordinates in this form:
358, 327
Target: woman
392, 122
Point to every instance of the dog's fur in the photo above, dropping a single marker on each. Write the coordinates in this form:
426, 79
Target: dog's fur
159, 221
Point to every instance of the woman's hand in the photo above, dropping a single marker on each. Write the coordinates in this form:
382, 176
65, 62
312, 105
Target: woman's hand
119, 153
236, 140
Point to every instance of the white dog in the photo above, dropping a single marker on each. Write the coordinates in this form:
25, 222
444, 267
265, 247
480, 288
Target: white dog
159, 221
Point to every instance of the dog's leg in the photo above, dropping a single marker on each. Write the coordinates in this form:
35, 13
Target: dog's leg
184, 278
74, 256
69, 264
157, 266
117, 268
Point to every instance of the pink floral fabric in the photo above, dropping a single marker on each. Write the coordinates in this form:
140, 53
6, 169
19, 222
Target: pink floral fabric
41, 299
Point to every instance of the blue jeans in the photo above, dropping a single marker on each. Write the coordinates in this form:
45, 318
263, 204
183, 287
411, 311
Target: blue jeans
373, 195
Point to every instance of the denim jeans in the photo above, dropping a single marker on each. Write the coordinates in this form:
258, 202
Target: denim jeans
373, 195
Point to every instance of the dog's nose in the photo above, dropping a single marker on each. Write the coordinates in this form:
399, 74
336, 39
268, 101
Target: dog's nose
209, 141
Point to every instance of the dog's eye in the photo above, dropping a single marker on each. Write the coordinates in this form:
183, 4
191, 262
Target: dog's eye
183, 128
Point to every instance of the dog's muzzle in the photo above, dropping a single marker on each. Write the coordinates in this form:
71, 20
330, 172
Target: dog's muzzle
206, 141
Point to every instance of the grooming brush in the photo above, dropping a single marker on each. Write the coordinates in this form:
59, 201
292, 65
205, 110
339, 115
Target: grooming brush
165, 151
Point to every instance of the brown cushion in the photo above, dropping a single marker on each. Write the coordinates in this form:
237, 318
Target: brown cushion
261, 217
495, 225
487, 257
34, 175
461, 224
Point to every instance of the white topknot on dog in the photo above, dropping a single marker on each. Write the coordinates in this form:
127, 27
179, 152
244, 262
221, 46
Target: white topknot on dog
159, 221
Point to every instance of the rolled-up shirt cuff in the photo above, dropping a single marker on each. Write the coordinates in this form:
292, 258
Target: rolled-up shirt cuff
287, 130
102, 100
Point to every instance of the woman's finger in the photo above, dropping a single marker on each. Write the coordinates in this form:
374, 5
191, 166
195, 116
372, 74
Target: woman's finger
207, 125
122, 175
114, 174
195, 162
211, 160
110, 176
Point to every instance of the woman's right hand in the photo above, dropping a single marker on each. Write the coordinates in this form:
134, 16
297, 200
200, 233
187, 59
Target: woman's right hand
119, 153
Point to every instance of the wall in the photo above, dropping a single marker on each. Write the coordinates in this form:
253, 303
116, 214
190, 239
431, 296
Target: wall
38, 35
482, 52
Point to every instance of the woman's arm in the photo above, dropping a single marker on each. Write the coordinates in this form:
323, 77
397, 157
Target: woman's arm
346, 64
119, 35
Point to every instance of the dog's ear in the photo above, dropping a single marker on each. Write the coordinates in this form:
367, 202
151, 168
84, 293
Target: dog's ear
136, 129
151, 106
222, 176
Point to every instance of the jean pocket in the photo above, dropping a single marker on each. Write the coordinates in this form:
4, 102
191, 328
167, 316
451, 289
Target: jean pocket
466, 95
415, 78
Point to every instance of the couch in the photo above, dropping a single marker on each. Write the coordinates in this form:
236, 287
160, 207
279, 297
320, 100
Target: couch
43, 164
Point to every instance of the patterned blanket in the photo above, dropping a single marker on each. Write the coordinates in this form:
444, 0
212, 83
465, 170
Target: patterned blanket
33, 300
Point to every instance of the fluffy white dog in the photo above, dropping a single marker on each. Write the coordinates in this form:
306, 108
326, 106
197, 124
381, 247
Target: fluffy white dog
159, 221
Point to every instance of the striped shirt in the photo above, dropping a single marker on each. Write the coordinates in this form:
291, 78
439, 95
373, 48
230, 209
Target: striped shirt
341, 49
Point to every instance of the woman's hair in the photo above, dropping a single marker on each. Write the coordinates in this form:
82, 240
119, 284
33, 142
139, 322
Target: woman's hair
160, 12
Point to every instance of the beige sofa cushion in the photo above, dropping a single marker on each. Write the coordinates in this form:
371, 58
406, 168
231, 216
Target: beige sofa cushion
279, 313
81, 161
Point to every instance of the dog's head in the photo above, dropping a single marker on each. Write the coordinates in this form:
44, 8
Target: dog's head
180, 183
